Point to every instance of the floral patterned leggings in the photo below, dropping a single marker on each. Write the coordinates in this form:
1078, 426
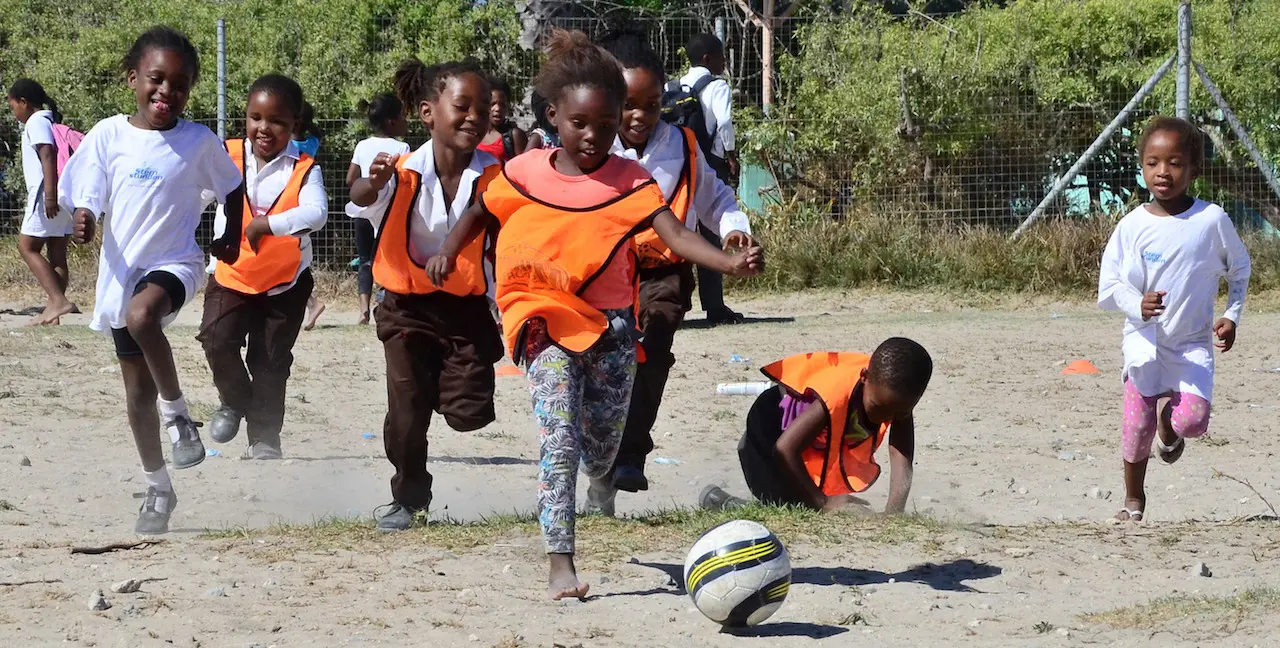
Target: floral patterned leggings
580, 401
1190, 419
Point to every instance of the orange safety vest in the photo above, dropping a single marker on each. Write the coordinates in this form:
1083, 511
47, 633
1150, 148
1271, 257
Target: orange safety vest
836, 468
278, 258
653, 252
548, 255
393, 266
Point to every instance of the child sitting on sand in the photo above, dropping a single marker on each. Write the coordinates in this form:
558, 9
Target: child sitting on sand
786, 453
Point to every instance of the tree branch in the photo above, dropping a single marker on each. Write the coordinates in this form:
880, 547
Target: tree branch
751, 13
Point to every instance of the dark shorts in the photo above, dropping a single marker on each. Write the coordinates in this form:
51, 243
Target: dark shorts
759, 459
126, 346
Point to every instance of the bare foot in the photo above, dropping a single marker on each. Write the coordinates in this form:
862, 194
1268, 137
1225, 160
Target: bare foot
313, 316
52, 314
563, 582
364, 318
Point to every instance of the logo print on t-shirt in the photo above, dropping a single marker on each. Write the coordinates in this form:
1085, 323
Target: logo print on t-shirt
146, 174
1153, 257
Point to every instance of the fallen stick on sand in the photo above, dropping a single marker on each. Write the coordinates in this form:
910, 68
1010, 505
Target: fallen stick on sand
116, 546
44, 581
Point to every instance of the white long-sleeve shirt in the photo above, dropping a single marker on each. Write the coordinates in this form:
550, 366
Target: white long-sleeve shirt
717, 108
263, 187
714, 203
1186, 256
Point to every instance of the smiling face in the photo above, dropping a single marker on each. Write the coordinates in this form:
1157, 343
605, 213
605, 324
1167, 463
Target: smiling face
587, 120
459, 117
269, 123
162, 84
1167, 167
642, 108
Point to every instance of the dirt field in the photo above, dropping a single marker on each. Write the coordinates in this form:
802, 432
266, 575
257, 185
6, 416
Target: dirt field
1017, 470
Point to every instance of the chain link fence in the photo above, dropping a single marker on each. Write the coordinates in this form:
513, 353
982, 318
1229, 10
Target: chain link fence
962, 119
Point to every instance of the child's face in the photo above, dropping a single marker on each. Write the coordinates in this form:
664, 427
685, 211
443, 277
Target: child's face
882, 405
459, 117
397, 127
1166, 168
22, 110
162, 84
268, 123
499, 109
587, 120
714, 62
642, 108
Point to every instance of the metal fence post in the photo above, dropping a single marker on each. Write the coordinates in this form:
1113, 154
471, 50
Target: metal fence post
222, 79
720, 29
1184, 60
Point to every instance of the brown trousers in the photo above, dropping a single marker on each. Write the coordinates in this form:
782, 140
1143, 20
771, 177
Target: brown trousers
268, 325
665, 298
440, 352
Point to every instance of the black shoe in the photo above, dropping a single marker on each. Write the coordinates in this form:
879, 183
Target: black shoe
724, 315
396, 517
715, 498
630, 479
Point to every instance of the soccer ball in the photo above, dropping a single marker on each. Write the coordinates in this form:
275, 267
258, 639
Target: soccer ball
738, 573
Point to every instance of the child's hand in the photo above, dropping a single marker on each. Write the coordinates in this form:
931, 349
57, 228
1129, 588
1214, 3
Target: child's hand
50, 207
1225, 331
439, 267
258, 228
383, 167
748, 263
737, 240
85, 227
1152, 304
226, 249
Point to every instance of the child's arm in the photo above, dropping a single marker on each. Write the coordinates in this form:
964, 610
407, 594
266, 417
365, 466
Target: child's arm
471, 224
717, 208
49, 165
353, 174
798, 436
310, 214
693, 247
85, 224
226, 248
364, 191
902, 451
1114, 292
1239, 267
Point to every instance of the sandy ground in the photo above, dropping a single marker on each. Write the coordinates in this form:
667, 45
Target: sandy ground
1004, 439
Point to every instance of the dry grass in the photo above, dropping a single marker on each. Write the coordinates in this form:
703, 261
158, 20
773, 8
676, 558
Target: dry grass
1214, 614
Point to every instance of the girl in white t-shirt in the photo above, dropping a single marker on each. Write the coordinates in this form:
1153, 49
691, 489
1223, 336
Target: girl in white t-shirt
1162, 268
145, 172
386, 118
44, 226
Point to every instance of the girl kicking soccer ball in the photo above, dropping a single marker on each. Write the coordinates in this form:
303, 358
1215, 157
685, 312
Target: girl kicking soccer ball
146, 172
1161, 269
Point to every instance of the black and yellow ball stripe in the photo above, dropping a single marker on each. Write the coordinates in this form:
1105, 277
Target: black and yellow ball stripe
770, 594
730, 558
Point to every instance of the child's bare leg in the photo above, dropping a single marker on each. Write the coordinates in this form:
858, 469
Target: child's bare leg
364, 309
146, 311
1135, 495
57, 250
314, 308
1138, 431
46, 273
563, 583
1168, 439
140, 401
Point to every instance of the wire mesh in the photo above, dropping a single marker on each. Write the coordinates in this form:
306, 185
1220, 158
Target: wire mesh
963, 118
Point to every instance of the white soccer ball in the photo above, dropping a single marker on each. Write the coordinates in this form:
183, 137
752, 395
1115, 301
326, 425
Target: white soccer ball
738, 573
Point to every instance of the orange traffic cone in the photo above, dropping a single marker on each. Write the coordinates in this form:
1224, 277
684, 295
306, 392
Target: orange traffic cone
507, 370
1080, 367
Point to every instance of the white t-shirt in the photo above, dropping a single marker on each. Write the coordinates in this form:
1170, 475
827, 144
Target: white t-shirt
148, 184
717, 109
366, 150
38, 130
1186, 255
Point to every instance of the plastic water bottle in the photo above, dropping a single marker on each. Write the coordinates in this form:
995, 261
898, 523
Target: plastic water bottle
743, 388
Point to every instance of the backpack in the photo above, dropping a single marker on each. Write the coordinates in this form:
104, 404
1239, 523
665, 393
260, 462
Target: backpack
66, 140
682, 107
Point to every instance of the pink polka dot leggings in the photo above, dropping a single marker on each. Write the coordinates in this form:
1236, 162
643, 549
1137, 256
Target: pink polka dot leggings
1190, 419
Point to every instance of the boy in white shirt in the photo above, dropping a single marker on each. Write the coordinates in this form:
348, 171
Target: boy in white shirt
146, 173
696, 195
260, 300
44, 226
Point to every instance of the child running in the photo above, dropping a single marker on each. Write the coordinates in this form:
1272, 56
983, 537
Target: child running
259, 300
146, 172
439, 338
306, 139
386, 118
1162, 268
504, 140
566, 281
696, 195
787, 455
44, 226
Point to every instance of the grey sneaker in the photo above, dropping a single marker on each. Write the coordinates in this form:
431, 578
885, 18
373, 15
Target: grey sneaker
262, 451
718, 499
225, 424
601, 497
395, 517
153, 517
188, 451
